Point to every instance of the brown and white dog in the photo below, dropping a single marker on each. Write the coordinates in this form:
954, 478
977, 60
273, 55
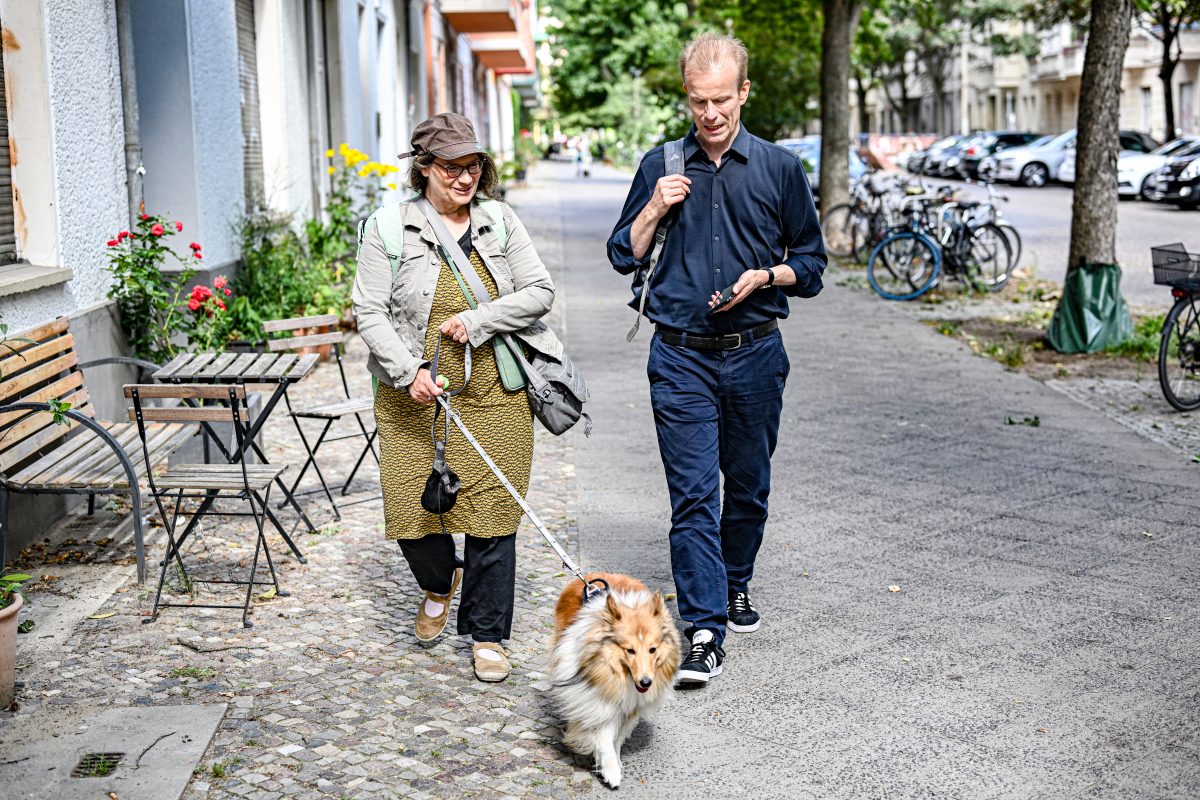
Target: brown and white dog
614, 660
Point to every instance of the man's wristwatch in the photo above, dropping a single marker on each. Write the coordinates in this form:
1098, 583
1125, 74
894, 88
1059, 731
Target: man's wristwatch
770, 276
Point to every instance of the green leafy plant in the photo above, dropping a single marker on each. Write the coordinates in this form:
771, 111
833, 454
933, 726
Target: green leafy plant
10, 586
1143, 344
151, 302
9, 344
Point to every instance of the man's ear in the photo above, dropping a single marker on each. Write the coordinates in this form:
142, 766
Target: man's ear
744, 92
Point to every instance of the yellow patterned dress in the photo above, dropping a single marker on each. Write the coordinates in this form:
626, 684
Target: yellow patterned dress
499, 420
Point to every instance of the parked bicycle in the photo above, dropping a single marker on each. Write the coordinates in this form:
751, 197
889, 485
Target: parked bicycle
1179, 349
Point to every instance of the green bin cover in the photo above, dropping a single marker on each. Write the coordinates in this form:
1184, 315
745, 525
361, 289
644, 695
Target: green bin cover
1091, 314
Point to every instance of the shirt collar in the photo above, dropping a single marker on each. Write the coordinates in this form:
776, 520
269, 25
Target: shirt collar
740, 146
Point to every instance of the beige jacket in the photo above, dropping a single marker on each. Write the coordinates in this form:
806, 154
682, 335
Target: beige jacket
392, 313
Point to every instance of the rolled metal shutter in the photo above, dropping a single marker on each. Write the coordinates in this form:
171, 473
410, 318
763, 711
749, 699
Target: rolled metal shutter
252, 157
8, 234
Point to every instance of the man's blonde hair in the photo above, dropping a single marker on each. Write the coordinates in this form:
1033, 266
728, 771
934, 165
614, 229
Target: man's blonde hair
709, 50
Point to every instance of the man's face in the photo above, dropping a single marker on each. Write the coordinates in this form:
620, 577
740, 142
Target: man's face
716, 101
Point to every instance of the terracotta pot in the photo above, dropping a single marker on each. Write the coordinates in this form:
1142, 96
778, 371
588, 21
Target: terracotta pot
8, 650
323, 351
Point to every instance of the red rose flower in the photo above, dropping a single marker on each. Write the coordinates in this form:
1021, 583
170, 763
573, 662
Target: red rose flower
122, 235
194, 246
228, 292
145, 216
219, 282
194, 304
197, 254
201, 293
179, 226
157, 230
221, 303
113, 242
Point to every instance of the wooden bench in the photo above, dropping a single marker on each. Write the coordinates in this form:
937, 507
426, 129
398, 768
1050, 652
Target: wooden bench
85, 456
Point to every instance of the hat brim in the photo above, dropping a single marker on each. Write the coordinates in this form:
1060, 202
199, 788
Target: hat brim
454, 151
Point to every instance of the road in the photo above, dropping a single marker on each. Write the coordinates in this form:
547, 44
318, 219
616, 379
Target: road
1043, 217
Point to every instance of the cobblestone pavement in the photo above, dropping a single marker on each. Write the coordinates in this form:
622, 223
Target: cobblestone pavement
330, 695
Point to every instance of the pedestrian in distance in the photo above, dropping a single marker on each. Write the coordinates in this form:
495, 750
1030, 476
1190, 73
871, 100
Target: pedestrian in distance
583, 158
745, 239
408, 300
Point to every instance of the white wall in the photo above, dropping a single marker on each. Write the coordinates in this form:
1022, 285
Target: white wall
85, 174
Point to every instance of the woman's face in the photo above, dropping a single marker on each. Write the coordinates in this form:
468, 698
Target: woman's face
445, 191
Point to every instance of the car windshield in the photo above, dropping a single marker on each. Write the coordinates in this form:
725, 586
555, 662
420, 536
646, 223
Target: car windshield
942, 144
1177, 146
1062, 140
1040, 142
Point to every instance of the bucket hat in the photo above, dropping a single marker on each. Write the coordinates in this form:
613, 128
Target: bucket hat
448, 136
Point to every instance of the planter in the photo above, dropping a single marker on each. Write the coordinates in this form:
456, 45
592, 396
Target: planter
8, 651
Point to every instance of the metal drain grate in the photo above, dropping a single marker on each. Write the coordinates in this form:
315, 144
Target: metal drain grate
97, 765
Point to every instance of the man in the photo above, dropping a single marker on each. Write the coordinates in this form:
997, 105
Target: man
744, 217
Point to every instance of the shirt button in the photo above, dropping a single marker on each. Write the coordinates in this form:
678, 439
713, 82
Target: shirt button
715, 205
716, 238
426, 292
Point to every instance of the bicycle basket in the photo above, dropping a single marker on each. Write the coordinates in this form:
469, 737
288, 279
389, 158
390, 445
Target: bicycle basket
1175, 266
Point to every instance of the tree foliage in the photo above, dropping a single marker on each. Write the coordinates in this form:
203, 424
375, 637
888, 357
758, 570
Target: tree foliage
617, 63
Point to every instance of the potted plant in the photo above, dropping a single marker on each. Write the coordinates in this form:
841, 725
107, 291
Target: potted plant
10, 607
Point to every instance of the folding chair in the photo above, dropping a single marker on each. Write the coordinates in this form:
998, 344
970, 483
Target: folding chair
204, 482
317, 331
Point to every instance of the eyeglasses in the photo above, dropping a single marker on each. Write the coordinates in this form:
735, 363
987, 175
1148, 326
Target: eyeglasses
454, 170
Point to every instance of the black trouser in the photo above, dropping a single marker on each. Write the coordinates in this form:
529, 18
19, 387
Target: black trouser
489, 565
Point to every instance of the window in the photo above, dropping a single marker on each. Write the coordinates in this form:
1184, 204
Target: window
1188, 123
252, 154
1147, 107
8, 233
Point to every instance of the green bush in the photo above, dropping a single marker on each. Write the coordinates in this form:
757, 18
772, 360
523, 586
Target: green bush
1143, 345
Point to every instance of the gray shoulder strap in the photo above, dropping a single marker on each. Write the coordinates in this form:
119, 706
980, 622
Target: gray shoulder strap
673, 153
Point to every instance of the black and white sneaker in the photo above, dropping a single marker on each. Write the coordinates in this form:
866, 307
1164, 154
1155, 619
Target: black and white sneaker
742, 618
703, 662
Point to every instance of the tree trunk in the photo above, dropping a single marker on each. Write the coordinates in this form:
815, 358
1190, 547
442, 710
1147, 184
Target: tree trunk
841, 20
1094, 210
1165, 73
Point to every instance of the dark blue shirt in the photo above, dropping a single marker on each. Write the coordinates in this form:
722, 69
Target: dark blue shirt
752, 212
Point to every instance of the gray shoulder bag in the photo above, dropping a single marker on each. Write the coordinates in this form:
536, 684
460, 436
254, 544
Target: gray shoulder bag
555, 389
673, 153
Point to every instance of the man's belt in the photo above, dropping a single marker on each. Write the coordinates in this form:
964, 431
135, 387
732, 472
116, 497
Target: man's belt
730, 341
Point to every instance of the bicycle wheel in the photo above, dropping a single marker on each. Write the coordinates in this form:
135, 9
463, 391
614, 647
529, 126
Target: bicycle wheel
1179, 356
987, 261
903, 266
843, 226
1014, 243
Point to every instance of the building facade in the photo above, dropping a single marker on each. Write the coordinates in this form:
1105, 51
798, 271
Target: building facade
1038, 93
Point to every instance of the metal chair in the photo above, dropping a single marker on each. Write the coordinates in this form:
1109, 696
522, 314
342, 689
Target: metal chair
204, 482
316, 332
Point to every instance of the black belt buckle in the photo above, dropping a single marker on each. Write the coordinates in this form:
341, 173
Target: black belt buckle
730, 341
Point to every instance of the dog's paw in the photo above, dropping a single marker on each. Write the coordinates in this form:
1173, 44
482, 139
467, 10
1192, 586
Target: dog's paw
610, 775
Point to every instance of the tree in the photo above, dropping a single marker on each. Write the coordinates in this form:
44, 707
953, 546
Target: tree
837, 32
1094, 210
1163, 20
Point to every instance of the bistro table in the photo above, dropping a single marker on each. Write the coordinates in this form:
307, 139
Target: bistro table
272, 372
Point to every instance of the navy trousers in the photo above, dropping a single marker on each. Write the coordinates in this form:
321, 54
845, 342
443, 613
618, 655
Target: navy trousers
717, 415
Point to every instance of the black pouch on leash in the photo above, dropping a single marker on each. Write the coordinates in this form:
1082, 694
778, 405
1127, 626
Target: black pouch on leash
442, 485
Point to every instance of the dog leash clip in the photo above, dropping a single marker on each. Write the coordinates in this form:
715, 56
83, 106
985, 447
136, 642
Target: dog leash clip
590, 591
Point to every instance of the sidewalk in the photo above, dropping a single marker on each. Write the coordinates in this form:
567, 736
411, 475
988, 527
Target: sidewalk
1042, 643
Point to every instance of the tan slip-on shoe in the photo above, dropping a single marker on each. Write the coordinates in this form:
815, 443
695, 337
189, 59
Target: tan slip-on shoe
487, 669
430, 627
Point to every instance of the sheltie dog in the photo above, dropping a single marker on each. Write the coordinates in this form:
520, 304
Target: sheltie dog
614, 660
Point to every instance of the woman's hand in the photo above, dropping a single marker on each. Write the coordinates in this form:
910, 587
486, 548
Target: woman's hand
455, 329
423, 389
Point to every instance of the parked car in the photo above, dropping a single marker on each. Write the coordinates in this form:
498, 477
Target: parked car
989, 143
808, 150
1038, 165
1131, 145
1178, 181
917, 159
944, 163
1135, 171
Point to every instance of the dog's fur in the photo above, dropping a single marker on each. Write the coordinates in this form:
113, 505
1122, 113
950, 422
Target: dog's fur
614, 661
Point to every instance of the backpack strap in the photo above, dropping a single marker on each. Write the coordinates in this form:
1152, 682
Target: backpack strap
496, 212
391, 231
673, 155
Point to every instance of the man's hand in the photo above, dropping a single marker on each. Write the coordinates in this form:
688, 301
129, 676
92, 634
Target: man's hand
423, 389
455, 329
670, 190
750, 281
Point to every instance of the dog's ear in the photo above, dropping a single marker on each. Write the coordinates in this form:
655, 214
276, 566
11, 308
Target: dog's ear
658, 606
613, 610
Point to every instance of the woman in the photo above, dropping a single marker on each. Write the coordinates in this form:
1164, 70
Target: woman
403, 311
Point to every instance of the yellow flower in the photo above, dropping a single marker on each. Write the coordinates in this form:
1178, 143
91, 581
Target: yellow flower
344, 149
329, 153
392, 186
332, 170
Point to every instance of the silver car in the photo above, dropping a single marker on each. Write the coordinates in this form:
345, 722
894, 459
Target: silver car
1036, 164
